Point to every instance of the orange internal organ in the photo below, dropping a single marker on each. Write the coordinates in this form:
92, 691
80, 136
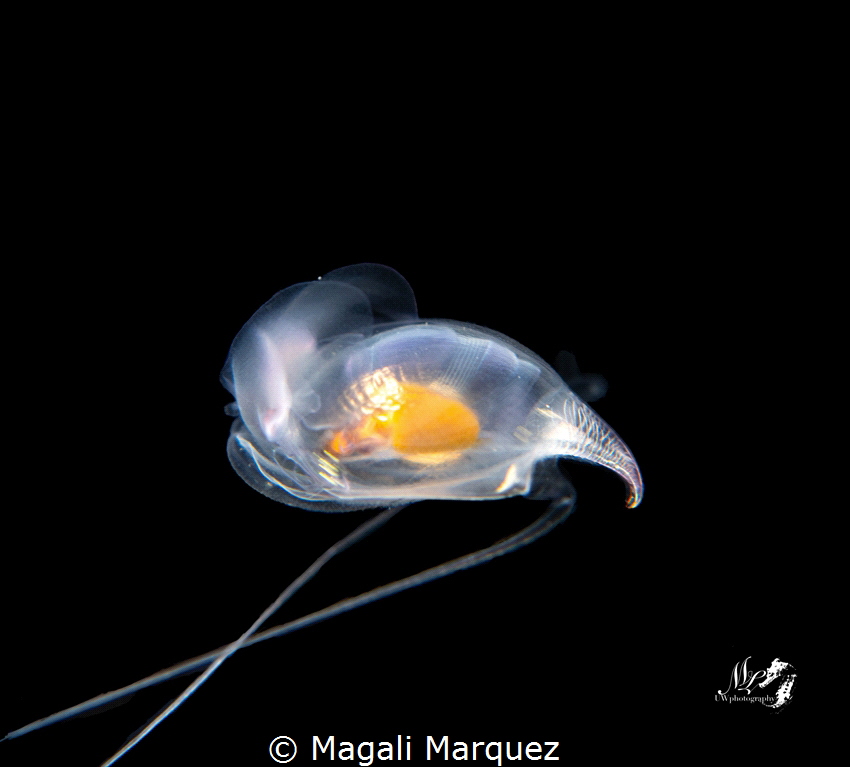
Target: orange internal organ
430, 422
418, 421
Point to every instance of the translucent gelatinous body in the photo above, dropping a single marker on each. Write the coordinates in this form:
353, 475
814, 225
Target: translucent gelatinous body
348, 400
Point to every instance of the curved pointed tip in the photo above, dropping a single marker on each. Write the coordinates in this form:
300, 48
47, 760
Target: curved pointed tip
588, 438
635, 490
625, 465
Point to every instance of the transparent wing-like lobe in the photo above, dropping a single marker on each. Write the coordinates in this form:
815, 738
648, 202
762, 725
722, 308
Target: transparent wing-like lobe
347, 400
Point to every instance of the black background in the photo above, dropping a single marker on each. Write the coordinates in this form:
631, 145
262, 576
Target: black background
136, 546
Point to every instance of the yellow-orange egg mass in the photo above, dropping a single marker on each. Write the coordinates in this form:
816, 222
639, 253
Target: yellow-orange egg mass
419, 421
430, 422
